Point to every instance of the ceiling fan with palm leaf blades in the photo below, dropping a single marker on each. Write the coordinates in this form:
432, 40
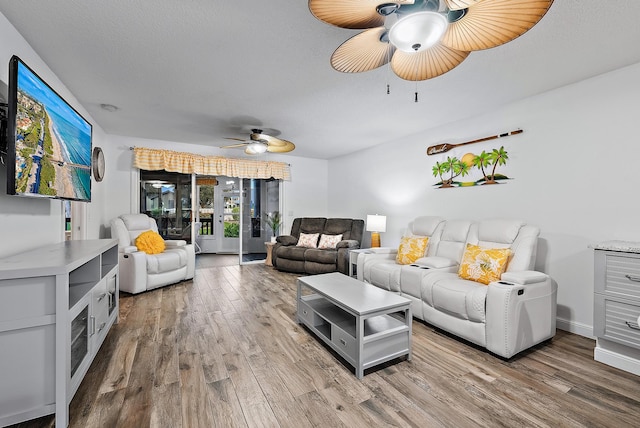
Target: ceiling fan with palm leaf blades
423, 39
259, 142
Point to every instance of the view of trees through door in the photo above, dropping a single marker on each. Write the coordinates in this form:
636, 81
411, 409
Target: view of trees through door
218, 201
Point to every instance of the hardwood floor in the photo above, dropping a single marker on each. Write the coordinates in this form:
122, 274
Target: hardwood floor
224, 350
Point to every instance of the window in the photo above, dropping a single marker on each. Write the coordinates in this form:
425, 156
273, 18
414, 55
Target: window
206, 208
166, 196
66, 208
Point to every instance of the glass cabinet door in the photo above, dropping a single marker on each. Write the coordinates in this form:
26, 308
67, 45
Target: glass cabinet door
111, 293
79, 339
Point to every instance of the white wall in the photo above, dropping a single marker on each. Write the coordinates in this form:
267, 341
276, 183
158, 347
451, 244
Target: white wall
304, 195
27, 222
574, 174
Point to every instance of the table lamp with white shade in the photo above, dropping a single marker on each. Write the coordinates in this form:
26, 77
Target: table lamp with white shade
376, 224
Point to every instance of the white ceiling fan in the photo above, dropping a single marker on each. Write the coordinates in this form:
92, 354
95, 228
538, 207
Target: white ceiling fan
259, 142
422, 39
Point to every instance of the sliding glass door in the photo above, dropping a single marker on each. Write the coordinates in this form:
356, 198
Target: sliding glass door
228, 212
259, 198
228, 215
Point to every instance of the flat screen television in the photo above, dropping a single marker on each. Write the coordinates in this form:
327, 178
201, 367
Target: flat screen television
48, 141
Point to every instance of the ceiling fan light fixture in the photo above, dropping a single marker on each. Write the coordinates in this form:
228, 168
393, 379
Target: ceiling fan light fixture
256, 148
418, 31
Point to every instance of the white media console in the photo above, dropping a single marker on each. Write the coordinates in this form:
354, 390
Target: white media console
57, 304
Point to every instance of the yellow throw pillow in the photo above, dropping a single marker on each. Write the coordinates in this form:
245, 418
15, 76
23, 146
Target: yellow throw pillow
150, 242
483, 265
411, 249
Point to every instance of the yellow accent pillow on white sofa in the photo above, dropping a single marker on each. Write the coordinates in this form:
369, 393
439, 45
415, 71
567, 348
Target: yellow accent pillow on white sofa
411, 249
483, 265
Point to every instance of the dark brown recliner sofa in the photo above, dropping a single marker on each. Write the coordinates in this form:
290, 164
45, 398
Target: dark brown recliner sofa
288, 257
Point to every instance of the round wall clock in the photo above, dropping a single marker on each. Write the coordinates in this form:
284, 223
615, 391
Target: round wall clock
97, 163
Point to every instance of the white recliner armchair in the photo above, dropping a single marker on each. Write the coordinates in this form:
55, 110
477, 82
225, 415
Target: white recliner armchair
140, 271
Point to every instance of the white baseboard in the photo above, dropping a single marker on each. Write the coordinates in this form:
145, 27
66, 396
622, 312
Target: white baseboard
575, 327
617, 360
606, 356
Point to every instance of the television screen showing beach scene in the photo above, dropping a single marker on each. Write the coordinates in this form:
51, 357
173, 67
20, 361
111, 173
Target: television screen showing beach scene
52, 142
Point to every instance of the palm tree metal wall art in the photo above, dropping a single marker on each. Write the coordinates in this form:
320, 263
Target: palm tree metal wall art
486, 163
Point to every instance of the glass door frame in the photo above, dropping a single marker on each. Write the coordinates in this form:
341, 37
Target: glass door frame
208, 240
225, 246
248, 242
168, 198
136, 199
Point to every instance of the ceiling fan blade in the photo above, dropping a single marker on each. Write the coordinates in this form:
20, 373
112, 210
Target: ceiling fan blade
354, 14
274, 145
490, 23
235, 139
233, 146
363, 52
287, 147
268, 139
460, 4
426, 64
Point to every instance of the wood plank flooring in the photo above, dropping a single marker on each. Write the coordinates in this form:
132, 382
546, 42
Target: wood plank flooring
224, 350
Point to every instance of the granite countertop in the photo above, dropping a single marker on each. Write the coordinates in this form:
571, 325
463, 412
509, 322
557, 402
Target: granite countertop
624, 246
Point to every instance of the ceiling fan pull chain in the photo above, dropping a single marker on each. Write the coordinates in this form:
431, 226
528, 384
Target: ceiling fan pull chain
388, 67
416, 99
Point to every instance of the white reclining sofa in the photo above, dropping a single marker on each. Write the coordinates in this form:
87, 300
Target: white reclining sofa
140, 271
506, 316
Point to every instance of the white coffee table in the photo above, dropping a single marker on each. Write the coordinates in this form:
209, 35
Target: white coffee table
366, 325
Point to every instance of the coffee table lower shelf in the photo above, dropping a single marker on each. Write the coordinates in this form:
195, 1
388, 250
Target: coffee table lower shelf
363, 341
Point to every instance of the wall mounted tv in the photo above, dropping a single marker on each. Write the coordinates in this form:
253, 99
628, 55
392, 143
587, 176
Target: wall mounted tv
49, 142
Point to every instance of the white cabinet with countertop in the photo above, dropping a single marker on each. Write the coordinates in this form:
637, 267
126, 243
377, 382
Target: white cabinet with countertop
617, 304
57, 303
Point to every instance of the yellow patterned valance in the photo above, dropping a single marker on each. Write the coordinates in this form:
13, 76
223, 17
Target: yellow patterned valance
189, 163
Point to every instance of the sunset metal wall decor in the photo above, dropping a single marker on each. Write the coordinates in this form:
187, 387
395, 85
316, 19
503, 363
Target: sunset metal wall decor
470, 169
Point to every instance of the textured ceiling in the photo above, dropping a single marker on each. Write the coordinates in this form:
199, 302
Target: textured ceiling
197, 71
